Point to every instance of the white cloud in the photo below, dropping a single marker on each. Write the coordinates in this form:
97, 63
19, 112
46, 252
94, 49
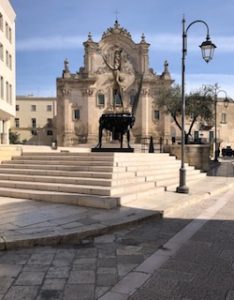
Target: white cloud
195, 81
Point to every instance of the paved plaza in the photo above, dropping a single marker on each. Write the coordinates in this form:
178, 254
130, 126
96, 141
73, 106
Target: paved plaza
187, 254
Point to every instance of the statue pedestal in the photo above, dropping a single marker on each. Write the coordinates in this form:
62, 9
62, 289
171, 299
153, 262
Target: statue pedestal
124, 150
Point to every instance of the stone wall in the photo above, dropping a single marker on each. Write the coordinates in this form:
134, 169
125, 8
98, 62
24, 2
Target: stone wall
195, 155
6, 152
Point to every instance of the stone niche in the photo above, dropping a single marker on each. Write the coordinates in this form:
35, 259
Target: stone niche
195, 155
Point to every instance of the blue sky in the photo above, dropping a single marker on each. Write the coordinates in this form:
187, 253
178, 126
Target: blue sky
48, 31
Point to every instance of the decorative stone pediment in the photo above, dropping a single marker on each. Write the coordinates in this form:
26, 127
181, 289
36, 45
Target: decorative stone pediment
117, 29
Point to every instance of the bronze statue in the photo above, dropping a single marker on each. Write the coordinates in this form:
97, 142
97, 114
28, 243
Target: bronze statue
116, 70
118, 123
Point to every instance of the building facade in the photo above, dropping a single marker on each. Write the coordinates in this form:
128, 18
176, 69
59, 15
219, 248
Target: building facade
35, 120
84, 96
7, 68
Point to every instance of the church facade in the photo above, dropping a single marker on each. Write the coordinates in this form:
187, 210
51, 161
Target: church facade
84, 96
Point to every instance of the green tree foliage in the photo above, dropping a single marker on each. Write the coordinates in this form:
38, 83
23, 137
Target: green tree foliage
198, 105
14, 137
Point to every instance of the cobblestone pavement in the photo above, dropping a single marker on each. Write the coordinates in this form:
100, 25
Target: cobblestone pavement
224, 167
88, 270
82, 271
203, 269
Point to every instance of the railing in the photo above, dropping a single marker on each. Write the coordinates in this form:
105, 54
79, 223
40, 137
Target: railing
155, 146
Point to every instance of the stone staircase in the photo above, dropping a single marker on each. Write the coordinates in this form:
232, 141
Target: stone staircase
103, 180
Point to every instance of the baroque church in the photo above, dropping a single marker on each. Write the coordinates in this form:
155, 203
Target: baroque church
83, 97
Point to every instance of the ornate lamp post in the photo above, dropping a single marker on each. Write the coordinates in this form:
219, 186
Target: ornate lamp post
207, 48
226, 102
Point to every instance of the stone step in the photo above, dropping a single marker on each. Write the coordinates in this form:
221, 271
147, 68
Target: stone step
172, 181
95, 154
85, 166
116, 157
57, 162
86, 161
60, 197
107, 175
140, 170
62, 167
80, 189
74, 180
170, 173
90, 179
129, 197
67, 153
63, 158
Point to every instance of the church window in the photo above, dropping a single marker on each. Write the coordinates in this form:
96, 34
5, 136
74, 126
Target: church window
49, 132
49, 122
10, 35
33, 107
33, 132
224, 118
7, 91
17, 124
1, 22
1, 51
156, 115
6, 30
76, 114
100, 99
1, 87
34, 122
7, 58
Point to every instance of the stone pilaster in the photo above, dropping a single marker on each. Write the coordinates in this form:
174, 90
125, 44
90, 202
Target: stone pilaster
68, 134
145, 111
5, 132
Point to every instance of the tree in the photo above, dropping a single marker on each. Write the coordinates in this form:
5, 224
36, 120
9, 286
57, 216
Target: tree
14, 137
199, 105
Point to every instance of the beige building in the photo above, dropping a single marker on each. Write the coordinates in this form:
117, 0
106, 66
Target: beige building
224, 124
35, 121
85, 95
204, 132
7, 68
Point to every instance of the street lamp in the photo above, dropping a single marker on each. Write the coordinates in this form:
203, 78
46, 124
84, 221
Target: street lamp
207, 48
226, 102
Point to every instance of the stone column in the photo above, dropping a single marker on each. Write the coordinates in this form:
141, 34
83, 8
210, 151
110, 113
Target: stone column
5, 131
68, 124
92, 117
145, 112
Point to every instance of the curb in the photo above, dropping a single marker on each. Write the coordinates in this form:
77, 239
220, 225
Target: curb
76, 237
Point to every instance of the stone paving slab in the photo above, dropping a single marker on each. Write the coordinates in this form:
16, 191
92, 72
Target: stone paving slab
108, 266
203, 268
26, 223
